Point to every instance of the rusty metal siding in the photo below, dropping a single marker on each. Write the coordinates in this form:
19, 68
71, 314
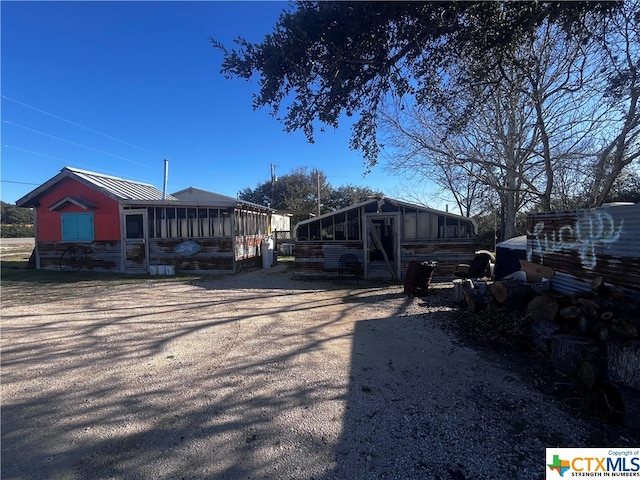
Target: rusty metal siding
101, 256
216, 255
321, 259
309, 259
588, 243
448, 253
248, 246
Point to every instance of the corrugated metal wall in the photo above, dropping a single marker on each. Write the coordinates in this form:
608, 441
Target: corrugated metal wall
317, 259
449, 253
584, 244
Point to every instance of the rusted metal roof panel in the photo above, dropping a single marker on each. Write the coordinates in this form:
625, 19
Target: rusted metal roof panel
588, 243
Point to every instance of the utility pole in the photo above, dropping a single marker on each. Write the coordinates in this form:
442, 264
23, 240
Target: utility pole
318, 176
273, 180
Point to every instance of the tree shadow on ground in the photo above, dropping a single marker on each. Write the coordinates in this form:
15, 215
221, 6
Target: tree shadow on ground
175, 381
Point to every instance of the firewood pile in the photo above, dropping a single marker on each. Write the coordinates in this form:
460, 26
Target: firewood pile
591, 338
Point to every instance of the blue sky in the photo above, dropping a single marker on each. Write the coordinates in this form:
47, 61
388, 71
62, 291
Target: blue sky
117, 87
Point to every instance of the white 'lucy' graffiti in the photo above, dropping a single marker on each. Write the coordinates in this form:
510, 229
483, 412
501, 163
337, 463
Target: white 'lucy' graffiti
590, 229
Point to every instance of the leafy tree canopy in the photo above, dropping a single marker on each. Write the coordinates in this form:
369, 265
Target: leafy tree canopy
326, 59
16, 215
297, 193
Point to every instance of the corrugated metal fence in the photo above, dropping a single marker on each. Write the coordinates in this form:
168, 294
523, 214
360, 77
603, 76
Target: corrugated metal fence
581, 245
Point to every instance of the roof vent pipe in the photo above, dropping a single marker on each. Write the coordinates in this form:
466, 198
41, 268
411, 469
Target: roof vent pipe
166, 176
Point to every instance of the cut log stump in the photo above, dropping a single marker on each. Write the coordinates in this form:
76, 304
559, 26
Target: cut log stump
541, 333
569, 352
542, 308
508, 290
623, 363
476, 302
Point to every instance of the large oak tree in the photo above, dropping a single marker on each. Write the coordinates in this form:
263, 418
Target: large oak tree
324, 60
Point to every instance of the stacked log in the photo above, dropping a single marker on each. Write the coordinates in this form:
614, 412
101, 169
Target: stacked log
623, 363
569, 352
508, 290
542, 331
592, 337
473, 294
543, 310
460, 287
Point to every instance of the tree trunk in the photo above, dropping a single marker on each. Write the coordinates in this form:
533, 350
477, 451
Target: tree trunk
510, 212
615, 156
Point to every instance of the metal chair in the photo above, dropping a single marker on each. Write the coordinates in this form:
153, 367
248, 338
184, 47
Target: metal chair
479, 267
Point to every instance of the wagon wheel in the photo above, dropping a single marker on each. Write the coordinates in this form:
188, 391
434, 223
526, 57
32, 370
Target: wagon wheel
73, 259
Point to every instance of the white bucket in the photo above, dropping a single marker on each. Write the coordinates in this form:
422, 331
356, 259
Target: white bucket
162, 269
153, 269
170, 269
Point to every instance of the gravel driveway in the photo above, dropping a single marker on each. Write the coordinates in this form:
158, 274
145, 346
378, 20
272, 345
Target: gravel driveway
260, 376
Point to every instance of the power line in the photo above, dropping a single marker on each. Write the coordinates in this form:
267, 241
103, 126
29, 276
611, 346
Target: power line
74, 143
34, 153
80, 126
31, 152
20, 183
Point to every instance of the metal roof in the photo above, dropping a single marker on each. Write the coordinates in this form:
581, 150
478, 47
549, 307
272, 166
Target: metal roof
120, 188
137, 193
381, 201
117, 188
198, 195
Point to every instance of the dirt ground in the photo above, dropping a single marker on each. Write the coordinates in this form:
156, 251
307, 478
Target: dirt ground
262, 376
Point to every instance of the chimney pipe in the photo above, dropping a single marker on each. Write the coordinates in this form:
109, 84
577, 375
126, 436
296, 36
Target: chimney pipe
166, 176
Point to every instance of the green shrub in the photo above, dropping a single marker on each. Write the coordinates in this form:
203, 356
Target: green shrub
16, 230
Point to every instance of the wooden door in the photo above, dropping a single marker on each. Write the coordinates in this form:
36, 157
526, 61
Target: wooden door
135, 241
382, 246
